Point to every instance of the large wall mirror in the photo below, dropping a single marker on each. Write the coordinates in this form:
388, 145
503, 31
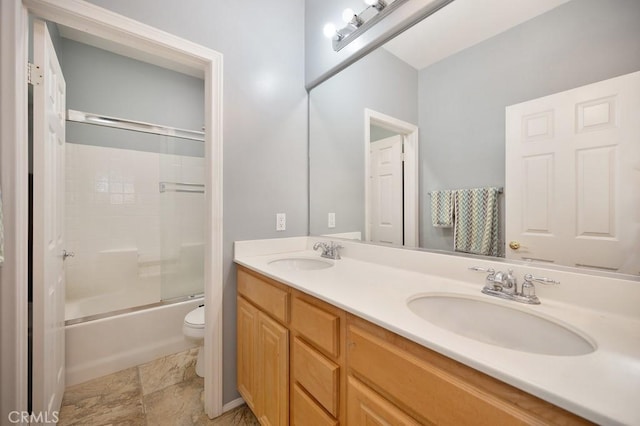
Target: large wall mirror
455, 98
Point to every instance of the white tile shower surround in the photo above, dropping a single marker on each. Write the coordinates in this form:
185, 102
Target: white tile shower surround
376, 282
120, 227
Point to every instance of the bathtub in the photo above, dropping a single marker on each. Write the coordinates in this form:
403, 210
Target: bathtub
103, 346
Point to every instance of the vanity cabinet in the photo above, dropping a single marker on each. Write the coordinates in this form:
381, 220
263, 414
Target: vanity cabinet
263, 347
304, 361
317, 361
366, 407
434, 389
247, 338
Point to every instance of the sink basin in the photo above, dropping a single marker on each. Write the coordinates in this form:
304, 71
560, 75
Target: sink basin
499, 325
301, 263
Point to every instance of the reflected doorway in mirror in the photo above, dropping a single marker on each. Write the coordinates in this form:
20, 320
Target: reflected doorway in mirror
391, 187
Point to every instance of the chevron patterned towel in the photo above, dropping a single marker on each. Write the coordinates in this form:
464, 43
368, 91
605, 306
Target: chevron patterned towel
476, 221
442, 208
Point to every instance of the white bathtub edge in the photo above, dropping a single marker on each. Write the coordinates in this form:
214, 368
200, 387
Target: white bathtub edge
98, 348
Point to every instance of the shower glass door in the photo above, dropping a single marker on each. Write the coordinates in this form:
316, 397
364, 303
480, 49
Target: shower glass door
182, 224
134, 219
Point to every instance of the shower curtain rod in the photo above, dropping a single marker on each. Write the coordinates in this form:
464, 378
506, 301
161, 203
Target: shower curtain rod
136, 126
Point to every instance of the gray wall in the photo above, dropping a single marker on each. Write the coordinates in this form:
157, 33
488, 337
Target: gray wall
265, 120
105, 83
463, 98
380, 82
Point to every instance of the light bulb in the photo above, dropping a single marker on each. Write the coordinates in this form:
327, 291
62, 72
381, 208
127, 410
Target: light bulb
370, 2
347, 15
329, 30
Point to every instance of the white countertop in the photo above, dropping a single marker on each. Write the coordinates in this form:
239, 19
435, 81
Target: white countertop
603, 386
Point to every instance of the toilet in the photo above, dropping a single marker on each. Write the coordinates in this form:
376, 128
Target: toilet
193, 328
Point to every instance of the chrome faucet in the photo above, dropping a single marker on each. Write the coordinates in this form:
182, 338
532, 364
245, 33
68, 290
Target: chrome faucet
510, 283
330, 250
505, 286
529, 289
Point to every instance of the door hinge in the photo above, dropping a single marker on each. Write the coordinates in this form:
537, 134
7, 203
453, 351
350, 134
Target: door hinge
402, 157
34, 74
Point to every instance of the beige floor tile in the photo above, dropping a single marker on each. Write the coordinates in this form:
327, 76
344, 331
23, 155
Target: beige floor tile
112, 399
167, 371
118, 399
176, 405
241, 416
124, 381
105, 418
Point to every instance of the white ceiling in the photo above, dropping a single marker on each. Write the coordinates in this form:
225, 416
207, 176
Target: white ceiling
462, 24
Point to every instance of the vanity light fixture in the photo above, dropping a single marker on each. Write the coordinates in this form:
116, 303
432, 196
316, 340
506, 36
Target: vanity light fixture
351, 18
358, 23
378, 4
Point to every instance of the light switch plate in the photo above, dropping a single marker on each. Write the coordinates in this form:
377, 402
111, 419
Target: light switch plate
332, 220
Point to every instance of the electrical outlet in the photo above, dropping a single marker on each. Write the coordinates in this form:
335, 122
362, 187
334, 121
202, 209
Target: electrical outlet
281, 221
332, 220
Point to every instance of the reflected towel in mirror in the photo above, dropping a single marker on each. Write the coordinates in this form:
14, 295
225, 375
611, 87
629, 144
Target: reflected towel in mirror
476, 221
442, 208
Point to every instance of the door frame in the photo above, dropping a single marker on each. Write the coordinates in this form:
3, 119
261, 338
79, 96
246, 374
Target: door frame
164, 49
411, 196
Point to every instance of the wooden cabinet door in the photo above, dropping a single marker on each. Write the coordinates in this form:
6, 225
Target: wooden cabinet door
365, 407
305, 411
272, 372
247, 335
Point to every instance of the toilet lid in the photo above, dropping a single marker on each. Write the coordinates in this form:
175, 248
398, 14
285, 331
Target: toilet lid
196, 317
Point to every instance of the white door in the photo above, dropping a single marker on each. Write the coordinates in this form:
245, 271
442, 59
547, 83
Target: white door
48, 232
572, 176
386, 201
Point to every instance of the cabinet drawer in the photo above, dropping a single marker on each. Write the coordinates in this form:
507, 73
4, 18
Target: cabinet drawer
270, 297
425, 390
317, 325
317, 375
365, 407
305, 411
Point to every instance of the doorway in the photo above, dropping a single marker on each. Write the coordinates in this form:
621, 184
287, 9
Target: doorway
132, 38
391, 179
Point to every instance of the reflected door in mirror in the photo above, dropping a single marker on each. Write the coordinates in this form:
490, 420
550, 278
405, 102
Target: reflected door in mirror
386, 201
571, 178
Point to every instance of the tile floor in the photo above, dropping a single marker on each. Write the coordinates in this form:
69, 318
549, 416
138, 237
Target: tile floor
166, 391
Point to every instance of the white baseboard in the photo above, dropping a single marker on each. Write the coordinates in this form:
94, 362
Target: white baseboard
232, 404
